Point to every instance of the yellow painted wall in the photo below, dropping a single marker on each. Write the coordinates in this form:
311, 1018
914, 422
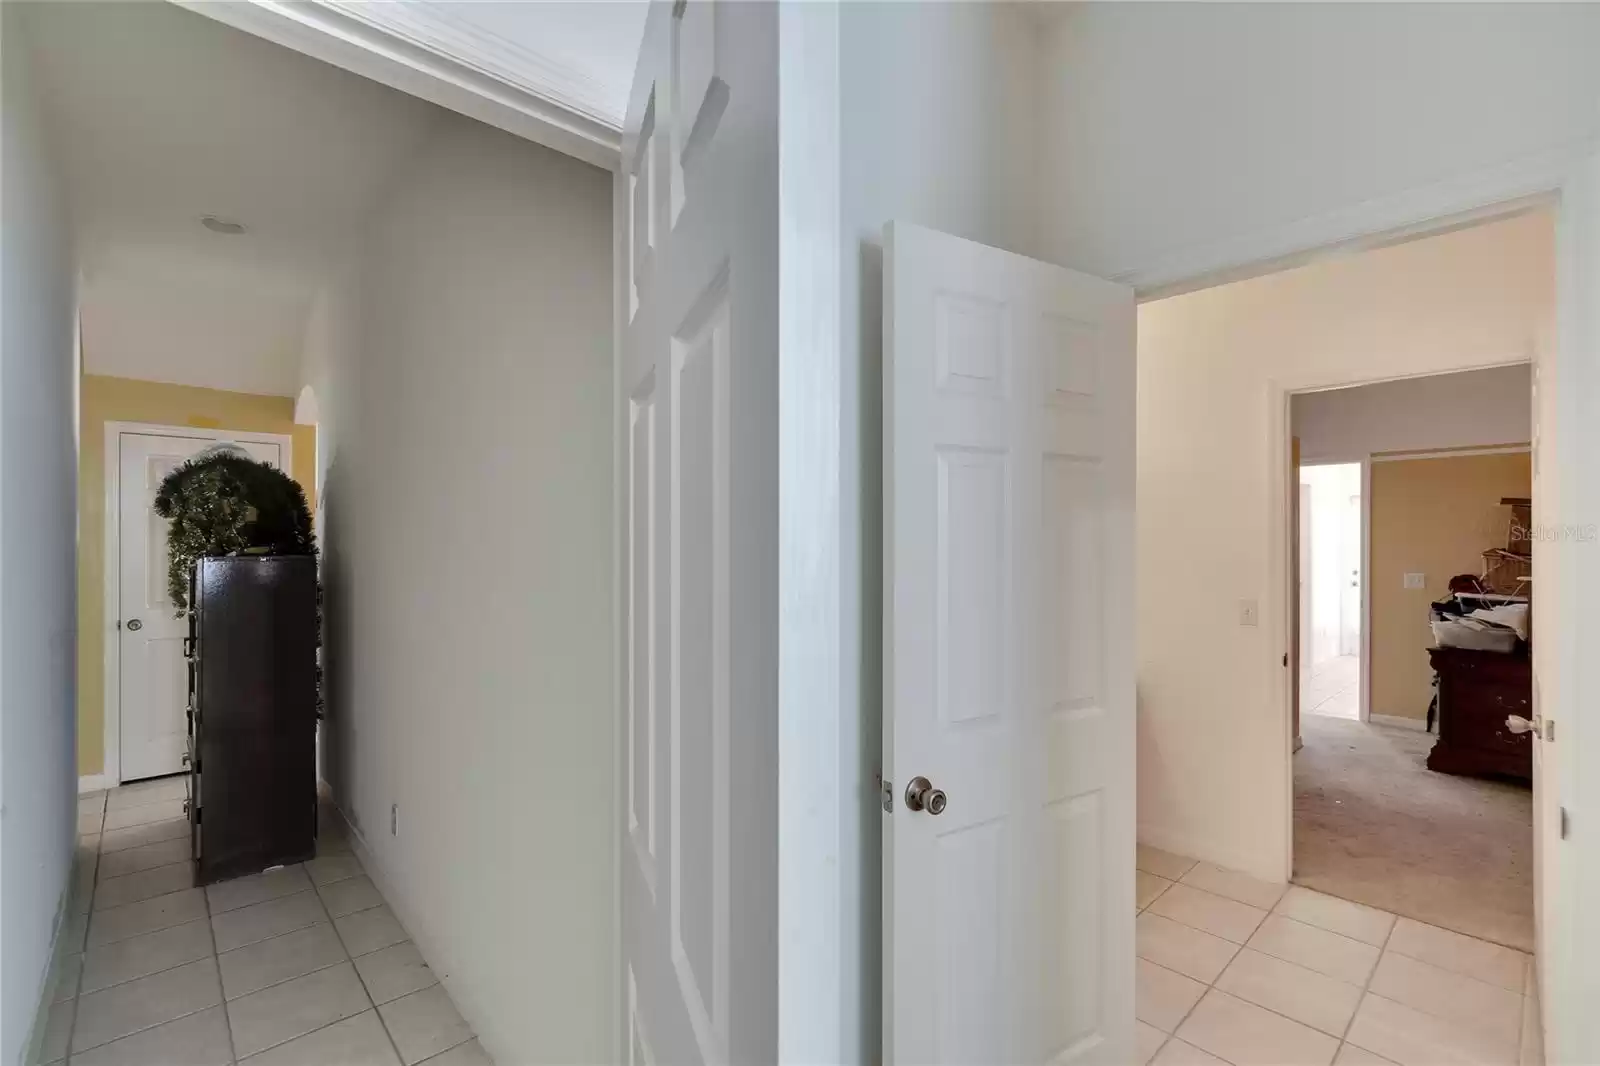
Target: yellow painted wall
1433, 517
108, 399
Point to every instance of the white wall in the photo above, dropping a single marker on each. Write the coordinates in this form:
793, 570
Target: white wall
937, 130
463, 367
38, 536
1170, 127
1472, 409
1213, 713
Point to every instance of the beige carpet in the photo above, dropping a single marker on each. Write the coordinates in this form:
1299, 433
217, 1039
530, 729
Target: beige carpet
1373, 824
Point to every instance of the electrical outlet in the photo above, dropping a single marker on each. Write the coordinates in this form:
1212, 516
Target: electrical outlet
394, 819
1248, 613
1416, 581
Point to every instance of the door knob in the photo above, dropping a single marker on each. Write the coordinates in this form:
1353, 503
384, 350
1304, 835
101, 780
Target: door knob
921, 795
134, 625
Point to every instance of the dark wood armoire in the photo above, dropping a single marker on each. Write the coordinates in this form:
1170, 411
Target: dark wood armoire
1478, 691
252, 653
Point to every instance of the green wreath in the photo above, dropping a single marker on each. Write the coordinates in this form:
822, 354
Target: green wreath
222, 502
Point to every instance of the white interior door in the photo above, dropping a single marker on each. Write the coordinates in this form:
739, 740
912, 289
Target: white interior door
152, 683
1009, 673
1350, 575
698, 380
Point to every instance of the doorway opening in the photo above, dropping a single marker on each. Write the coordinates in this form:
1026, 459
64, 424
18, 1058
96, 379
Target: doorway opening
1385, 399
1331, 591
1410, 793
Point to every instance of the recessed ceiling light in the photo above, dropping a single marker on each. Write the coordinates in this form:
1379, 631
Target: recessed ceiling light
221, 225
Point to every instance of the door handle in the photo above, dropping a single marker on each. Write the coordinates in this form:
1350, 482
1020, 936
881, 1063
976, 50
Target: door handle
134, 625
1519, 725
921, 795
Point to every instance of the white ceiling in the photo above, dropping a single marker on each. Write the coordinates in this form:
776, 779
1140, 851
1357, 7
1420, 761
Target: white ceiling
160, 116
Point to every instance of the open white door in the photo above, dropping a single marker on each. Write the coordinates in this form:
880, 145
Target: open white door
149, 674
1009, 673
699, 386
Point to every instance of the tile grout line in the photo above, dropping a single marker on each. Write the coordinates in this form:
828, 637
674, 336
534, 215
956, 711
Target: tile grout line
1366, 986
308, 1032
216, 964
371, 1004
383, 1023
83, 945
1170, 1037
1238, 950
215, 958
73, 1032
348, 958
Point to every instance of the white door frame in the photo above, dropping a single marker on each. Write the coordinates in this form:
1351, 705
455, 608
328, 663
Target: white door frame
1531, 182
1275, 617
1367, 462
1536, 181
111, 569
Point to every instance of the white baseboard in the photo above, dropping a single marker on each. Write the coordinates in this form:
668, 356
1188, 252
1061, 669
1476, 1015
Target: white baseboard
1191, 848
1419, 724
94, 783
52, 971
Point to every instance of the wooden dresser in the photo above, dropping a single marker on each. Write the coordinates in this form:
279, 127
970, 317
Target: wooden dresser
252, 713
1477, 690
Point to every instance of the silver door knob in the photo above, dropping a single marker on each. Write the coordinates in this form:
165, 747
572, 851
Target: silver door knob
922, 796
134, 625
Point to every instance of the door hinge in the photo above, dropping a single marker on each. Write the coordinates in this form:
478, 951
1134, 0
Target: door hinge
1566, 823
1285, 658
885, 793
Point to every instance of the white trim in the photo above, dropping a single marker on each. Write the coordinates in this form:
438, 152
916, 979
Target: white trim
537, 107
1364, 703
1418, 724
819, 986
1494, 192
621, 590
443, 28
1276, 599
111, 570
1457, 453
1187, 844
93, 783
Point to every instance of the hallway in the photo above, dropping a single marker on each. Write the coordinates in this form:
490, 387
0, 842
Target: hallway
304, 965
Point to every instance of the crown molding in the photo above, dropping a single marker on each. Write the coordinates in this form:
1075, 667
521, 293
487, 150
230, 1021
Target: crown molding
443, 60
446, 29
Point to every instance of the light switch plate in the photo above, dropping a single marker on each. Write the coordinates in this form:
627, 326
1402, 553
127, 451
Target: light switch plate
1416, 581
1247, 613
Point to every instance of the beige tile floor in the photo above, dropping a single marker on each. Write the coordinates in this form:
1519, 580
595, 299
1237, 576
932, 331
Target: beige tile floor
1334, 688
1238, 971
300, 966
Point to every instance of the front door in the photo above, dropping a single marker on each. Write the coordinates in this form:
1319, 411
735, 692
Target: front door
152, 685
1009, 670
